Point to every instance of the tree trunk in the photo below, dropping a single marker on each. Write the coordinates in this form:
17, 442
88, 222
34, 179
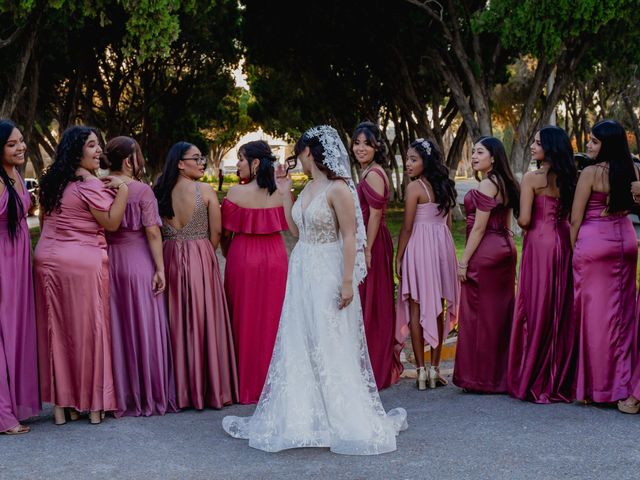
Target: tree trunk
633, 118
15, 86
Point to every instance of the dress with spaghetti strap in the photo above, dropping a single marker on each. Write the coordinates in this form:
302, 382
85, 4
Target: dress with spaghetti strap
487, 301
376, 292
201, 335
429, 273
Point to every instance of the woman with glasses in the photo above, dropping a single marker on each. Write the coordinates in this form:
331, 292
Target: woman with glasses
201, 336
142, 363
252, 219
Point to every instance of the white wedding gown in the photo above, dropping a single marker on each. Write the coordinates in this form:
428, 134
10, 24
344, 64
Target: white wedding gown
320, 390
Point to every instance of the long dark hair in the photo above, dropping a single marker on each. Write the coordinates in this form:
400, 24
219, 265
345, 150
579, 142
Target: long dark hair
559, 154
15, 208
166, 182
501, 175
117, 150
63, 169
260, 150
434, 171
317, 152
615, 151
373, 138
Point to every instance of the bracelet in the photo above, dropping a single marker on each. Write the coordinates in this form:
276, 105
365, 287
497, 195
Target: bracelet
122, 183
462, 265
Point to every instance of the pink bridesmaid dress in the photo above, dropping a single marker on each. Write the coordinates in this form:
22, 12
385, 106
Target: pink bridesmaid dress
487, 302
142, 361
72, 305
429, 274
542, 354
255, 282
19, 394
604, 272
376, 293
201, 335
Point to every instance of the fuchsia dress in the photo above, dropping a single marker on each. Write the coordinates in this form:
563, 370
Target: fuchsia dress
604, 272
255, 282
487, 301
542, 358
19, 394
376, 293
142, 361
429, 274
72, 305
201, 336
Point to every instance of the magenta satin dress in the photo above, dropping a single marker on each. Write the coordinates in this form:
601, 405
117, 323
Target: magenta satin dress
201, 335
72, 305
542, 354
604, 272
255, 282
19, 393
429, 274
376, 293
141, 347
487, 302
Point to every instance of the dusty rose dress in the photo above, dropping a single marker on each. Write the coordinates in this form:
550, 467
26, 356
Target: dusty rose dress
72, 305
429, 274
19, 394
604, 272
201, 335
255, 281
542, 355
376, 293
142, 361
487, 301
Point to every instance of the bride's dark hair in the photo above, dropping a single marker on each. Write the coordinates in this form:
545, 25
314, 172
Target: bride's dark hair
317, 152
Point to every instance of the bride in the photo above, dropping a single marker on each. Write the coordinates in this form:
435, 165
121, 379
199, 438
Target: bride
320, 390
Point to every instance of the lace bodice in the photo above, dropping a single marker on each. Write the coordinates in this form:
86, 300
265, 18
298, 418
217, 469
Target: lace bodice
317, 223
196, 228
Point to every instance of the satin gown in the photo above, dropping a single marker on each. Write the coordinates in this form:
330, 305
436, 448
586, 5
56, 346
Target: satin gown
429, 274
487, 302
142, 360
376, 293
255, 281
542, 354
72, 305
604, 270
19, 393
201, 335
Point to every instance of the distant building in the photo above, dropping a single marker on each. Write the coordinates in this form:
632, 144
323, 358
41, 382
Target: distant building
280, 148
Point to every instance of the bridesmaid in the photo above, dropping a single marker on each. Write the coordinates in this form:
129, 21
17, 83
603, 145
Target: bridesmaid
487, 271
604, 267
543, 339
72, 276
19, 395
142, 363
376, 291
201, 335
252, 219
426, 260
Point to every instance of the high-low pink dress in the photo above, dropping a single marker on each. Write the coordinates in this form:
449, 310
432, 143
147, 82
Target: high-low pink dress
376, 293
429, 273
201, 335
72, 305
19, 394
255, 282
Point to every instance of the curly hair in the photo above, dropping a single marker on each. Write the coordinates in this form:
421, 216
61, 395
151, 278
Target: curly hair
373, 138
15, 208
63, 169
434, 171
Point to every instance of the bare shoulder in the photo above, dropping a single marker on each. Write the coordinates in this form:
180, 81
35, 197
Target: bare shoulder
375, 180
339, 189
208, 192
234, 192
488, 187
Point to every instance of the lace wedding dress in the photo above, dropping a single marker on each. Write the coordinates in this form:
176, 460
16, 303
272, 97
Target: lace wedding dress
320, 390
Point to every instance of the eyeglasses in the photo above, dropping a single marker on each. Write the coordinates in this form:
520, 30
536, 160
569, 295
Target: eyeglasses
291, 162
200, 160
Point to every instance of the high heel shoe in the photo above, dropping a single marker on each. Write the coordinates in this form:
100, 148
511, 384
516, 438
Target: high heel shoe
435, 380
74, 415
625, 407
421, 381
95, 418
59, 417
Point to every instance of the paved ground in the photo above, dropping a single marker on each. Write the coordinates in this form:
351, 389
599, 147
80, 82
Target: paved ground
451, 435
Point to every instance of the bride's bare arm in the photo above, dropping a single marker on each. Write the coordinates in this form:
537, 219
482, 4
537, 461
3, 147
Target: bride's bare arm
341, 200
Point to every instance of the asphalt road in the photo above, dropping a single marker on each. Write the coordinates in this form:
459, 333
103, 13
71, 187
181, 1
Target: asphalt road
451, 435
